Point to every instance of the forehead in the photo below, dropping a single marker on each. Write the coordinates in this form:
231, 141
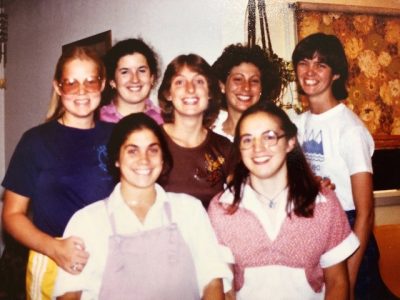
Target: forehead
258, 123
316, 56
186, 70
141, 137
247, 68
80, 67
133, 59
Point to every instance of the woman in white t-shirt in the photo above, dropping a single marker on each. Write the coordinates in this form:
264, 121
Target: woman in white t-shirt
338, 146
245, 74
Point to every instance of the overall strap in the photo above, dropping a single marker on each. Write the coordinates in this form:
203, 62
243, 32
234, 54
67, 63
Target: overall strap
167, 209
110, 216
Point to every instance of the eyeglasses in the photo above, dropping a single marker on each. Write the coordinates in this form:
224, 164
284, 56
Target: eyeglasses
72, 86
268, 139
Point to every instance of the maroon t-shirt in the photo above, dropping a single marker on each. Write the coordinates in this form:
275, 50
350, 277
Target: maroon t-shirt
200, 171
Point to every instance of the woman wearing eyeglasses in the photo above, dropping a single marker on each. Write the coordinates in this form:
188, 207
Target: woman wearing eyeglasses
284, 237
59, 167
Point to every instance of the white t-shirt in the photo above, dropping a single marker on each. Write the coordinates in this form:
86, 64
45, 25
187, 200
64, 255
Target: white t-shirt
337, 145
92, 224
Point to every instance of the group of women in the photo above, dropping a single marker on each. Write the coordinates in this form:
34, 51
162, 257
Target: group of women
271, 231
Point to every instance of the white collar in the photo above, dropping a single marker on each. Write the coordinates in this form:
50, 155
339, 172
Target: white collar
124, 217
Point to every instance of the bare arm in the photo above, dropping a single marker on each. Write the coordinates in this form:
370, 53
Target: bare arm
230, 295
336, 282
70, 296
64, 252
362, 188
214, 290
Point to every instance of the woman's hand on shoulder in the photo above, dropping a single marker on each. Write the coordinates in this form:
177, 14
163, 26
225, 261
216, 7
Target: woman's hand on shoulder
70, 254
325, 183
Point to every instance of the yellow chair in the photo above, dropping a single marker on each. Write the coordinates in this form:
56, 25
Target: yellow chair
388, 239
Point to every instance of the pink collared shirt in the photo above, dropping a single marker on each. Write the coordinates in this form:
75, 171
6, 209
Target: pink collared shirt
109, 113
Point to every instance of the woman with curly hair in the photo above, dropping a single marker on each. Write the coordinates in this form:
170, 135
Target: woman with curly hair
245, 74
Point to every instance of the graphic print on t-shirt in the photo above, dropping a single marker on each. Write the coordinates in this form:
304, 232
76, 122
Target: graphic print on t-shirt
313, 149
102, 157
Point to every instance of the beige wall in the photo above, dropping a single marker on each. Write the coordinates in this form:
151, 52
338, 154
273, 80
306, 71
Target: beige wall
387, 215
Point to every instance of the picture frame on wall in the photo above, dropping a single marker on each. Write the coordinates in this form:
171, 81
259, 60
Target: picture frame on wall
371, 39
100, 42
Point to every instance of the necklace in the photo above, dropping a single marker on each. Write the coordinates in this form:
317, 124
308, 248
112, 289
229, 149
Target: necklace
270, 202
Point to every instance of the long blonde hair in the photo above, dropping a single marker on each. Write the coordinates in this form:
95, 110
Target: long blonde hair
56, 109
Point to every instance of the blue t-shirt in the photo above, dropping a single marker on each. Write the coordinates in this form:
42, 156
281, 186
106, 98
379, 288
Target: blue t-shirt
61, 169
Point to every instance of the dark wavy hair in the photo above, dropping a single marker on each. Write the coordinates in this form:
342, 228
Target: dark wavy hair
236, 54
329, 50
121, 49
197, 64
303, 188
121, 132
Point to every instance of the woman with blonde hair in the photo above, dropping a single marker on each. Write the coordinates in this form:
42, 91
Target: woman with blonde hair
59, 167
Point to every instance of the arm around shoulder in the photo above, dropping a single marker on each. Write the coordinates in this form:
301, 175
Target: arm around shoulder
17, 223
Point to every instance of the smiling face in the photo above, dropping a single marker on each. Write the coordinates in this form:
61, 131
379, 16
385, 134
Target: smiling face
263, 161
140, 160
82, 103
242, 87
132, 79
315, 77
189, 93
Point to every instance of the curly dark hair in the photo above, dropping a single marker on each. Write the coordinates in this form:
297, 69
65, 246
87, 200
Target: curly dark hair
235, 54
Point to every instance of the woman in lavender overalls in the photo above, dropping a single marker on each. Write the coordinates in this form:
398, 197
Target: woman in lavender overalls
144, 243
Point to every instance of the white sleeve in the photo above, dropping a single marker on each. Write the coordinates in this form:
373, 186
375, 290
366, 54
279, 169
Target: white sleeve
205, 249
83, 225
357, 147
340, 252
